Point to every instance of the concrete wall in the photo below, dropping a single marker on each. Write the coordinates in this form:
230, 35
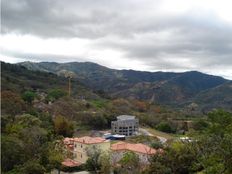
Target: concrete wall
125, 127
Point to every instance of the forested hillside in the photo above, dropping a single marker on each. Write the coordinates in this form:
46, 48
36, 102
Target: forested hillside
166, 88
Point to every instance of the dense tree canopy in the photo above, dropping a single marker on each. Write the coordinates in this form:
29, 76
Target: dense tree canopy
209, 151
25, 145
11, 103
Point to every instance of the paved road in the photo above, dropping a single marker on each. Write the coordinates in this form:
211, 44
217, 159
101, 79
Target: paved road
146, 132
162, 139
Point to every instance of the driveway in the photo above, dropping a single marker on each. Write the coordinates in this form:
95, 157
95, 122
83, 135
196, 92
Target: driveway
147, 133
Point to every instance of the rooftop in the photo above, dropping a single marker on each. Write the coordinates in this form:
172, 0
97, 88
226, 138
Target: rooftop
68, 140
90, 140
126, 117
140, 148
70, 163
69, 143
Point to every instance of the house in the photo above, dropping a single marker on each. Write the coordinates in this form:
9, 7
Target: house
144, 152
69, 147
125, 125
79, 148
84, 144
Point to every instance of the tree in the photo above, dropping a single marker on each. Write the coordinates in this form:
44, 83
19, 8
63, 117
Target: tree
93, 162
165, 127
31, 167
130, 163
28, 96
11, 152
63, 126
56, 155
11, 103
141, 106
177, 159
55, 94
27, 128
158, 165
98, 122
214, 145
209, 152
105, 163
200, 125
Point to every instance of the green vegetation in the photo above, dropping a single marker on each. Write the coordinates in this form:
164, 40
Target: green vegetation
129, 163
28, 96
209, 151
149, 140
55, 94
25, 145
63, 127
158, 87
160, 134
165, 127
11, 103
98, 161
99, 103
32, 128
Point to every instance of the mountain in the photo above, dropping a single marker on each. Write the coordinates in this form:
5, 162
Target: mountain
158, 87
19, 79
217, 97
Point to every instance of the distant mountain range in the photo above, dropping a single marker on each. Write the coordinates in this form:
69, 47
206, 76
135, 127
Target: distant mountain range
165, 88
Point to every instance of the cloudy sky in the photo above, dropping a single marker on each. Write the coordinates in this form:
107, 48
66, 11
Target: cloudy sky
151, 35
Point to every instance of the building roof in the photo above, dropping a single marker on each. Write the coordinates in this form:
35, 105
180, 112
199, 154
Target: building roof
69, 143
125, 117
70, 163
139, 148
68, 140
90, 140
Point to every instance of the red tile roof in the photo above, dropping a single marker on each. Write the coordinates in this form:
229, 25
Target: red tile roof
140, 148
70, 163
68, 140
90, 140
69, 143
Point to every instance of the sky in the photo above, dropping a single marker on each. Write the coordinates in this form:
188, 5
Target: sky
147, 35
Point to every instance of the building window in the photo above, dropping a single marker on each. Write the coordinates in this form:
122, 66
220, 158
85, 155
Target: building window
81, 145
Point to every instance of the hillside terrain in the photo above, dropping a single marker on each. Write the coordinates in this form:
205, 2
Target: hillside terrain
217, 97
19, 79
82, 106
37, 113
166, 88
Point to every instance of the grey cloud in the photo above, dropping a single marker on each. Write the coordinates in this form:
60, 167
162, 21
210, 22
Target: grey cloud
135, 28
42, 57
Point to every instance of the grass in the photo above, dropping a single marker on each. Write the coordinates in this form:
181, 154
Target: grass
141, 139
159, 133
99, 103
